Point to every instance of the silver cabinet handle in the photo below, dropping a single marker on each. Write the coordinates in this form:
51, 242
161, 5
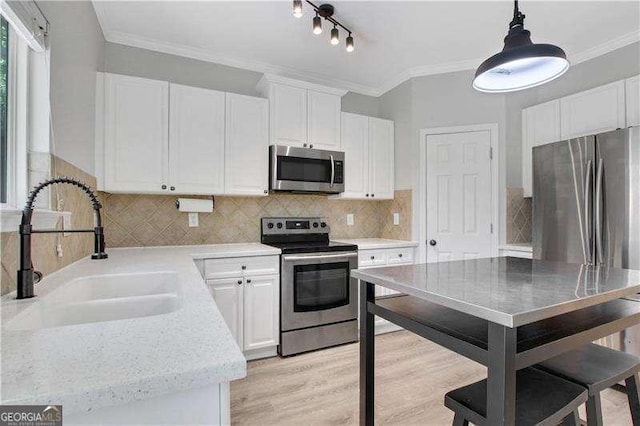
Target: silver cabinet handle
587, 211
239, 282
248, 281
599, 211
333, 171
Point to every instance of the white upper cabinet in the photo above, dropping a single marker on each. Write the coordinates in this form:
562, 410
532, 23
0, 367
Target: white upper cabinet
302, 114
196, 140
368, 145
355, 144
324, 120
288, 115
632, 89
540, 125
135, 134
381, 158
593, 111
246, 149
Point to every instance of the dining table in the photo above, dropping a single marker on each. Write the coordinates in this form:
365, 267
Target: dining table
505, 313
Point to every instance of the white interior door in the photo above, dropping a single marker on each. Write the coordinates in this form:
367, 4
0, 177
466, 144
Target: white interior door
459, 196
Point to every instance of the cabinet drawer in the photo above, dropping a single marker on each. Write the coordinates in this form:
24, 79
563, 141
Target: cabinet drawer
368, 258
240, 266
400, 256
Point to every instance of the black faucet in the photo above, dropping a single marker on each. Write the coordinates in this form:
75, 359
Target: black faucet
26, 273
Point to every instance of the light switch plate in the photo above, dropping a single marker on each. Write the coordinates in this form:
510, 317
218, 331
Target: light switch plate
396, 218
193, 219
350, 220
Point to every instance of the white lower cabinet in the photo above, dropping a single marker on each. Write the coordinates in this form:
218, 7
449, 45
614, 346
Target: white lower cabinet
247, 293
373, 258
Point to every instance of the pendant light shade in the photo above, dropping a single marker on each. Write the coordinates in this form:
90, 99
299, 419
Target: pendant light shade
297, 8
317, 25
335, 36
521, 64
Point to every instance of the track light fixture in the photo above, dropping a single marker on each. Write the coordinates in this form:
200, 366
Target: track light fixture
325, 11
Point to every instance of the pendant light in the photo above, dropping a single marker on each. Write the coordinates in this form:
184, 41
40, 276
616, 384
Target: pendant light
521, 64
317, 25
297, 8
325, 11
335, 39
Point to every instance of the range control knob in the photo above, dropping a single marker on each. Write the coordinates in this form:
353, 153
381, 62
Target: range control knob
323, 225
270, 225
315, 224
279, 225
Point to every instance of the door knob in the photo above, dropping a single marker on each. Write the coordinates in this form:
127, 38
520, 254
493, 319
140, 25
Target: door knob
432, 242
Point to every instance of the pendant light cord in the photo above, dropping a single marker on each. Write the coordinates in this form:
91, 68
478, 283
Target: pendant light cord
518, 17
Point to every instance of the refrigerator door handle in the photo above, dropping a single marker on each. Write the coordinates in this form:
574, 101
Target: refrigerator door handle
587, 210
598, 211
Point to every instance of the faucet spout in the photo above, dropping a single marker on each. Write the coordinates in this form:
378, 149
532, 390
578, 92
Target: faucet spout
26, 272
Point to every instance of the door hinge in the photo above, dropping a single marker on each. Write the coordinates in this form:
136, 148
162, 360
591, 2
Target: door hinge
491, 226
491, 153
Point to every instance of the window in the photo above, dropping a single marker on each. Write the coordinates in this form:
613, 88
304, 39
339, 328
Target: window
4, 101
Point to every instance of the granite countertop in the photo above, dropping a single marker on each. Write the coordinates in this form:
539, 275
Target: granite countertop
517, 247
507, 290
377, 243
92, 365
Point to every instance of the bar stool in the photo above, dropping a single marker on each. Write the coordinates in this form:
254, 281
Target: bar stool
541, 399
598, 368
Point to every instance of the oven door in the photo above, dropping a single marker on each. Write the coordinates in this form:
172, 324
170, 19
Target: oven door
317, 288
306, 170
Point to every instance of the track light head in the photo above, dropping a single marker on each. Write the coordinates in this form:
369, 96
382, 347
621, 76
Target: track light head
297, 8
317, 25
349, 43
335, 36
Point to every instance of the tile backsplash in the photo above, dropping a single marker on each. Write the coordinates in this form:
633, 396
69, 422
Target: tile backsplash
72, 199
518, 216
153, 220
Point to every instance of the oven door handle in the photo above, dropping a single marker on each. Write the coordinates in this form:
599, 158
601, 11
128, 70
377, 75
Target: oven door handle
318, 256
333, 171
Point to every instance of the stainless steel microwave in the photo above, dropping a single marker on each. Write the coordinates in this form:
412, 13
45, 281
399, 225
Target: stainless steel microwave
305, 170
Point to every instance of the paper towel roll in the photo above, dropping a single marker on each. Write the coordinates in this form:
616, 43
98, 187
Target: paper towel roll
195, 205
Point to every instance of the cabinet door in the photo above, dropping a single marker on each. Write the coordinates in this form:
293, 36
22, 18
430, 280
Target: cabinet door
261, 316
324, 120
246, 147
593, 111
196, 140
136, 134
355, 142
540, 125
288, 115
381, 159
632, 88
227, 294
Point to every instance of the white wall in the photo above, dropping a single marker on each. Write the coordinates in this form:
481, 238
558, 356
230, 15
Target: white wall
77, 51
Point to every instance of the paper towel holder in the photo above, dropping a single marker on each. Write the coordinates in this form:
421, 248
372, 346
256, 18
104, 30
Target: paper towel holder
213, 203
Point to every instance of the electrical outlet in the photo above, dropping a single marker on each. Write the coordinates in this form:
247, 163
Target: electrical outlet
396, 218
59, 251
193, 220
350, 220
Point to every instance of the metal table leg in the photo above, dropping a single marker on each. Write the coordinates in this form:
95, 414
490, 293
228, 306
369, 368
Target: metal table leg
501, 375
367, 352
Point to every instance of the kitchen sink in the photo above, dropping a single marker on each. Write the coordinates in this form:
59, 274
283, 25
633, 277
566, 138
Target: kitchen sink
103, 298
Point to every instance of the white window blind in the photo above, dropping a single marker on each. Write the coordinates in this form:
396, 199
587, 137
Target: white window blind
27, 21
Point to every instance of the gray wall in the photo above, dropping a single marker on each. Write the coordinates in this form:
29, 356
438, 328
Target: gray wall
613, 66
397, 105
121, 59
77, 51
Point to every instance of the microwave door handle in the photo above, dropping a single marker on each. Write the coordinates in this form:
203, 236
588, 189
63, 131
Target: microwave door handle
333, 171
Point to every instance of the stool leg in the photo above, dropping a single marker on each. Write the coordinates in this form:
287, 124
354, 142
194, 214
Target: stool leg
633, 397
572, 419
594, 411
458, 420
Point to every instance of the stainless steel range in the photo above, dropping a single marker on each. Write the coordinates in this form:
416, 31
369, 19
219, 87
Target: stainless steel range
318, 297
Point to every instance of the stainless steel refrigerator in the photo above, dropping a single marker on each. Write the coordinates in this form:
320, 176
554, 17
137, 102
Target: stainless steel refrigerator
586, 206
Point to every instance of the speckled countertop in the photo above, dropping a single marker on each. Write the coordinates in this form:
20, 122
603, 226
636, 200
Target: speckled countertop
92, 365
377, 243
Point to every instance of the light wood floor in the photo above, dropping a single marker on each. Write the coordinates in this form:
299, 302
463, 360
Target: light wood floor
321, 388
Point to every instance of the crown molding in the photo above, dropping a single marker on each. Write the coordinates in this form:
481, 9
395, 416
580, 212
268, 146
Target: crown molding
601, 49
